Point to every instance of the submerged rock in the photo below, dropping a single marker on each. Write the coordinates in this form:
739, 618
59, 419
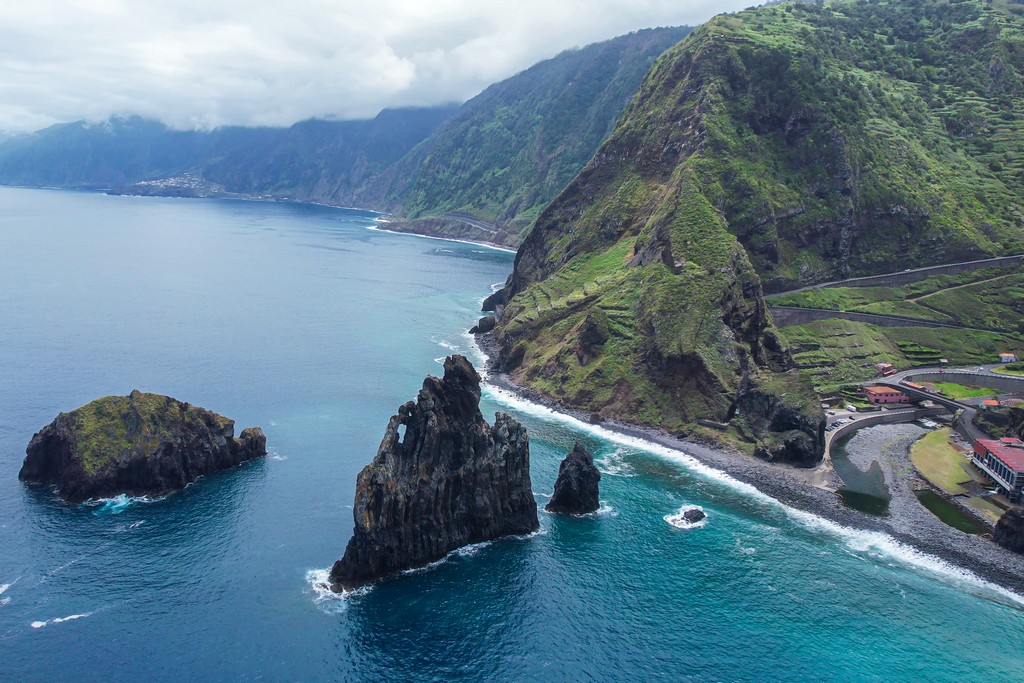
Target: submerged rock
576, 489
140, 444
451, 480
1009, 531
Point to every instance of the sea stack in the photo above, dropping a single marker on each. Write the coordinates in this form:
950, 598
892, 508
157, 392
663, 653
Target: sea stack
451, 480
576, 489
140, 444
1009, 531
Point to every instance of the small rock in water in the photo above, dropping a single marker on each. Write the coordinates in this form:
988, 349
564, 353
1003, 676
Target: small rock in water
576, 489
693, 515
140, 444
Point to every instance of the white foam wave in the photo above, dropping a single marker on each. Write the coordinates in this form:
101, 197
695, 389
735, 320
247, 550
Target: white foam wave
614, 465
524, 406
870, 542
59, 620
443, 239
5, 586
277, 456
320, 587
119, 503
879, 545
605, 510
679, 521
4, 601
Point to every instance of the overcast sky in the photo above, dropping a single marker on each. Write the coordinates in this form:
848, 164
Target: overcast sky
205, 63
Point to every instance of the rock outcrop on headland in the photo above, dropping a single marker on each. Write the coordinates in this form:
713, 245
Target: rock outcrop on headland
140, 444
576, 489
1009, 531
450, 480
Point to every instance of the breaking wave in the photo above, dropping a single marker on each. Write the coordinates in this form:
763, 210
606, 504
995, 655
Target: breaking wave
679, 521
615, 465
119, 503
59, 620
872, 543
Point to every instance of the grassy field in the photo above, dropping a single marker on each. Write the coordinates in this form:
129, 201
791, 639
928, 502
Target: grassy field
959, 391
990, 299
940, 463
834, 352
1010, 369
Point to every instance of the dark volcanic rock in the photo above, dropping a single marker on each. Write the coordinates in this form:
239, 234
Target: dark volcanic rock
484, 325
693, 515
576, 489
1009, 531
137, 444
450, 481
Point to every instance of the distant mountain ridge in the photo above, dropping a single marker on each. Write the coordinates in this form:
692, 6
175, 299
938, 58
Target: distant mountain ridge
296, 162
482, 170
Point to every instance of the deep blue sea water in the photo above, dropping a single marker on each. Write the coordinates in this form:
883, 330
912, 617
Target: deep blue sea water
306, 322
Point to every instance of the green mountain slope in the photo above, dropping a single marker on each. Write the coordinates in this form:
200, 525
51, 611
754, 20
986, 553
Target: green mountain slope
511, 149
784, 144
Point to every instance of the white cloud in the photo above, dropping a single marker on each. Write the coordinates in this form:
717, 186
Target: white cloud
195, 63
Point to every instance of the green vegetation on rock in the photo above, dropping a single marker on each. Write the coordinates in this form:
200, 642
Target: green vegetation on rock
510, 150
991, 299
833, 352
791, 144
114, 427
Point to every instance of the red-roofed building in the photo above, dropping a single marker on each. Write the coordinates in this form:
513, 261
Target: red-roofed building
885, 395
989, 404
1003, 461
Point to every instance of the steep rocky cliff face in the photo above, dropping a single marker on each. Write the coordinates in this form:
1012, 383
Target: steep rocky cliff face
137, 444
577, 487
511, 149
448, 481
780, 145
1009, 531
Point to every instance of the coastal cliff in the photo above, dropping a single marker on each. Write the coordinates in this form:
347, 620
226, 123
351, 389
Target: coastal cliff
772, 148
140, 444
442, 478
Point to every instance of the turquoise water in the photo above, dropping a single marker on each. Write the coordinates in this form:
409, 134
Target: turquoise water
308, 323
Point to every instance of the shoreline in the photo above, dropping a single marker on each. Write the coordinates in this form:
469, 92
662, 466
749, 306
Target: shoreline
113, 192
909, 523
488, 245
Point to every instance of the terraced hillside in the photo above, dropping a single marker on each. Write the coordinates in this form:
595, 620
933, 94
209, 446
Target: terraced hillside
787, 145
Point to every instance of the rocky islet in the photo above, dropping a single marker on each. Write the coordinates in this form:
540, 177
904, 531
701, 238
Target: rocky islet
443, 478
577, 487
140, 444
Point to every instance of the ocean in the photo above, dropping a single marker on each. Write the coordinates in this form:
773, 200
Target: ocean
312, 324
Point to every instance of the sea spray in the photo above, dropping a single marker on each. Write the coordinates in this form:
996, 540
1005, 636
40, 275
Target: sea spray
680, 521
